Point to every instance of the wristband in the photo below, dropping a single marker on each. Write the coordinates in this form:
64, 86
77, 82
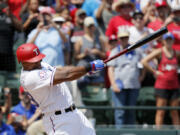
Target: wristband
88, 67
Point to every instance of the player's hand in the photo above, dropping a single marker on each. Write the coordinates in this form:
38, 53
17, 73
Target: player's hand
97, 65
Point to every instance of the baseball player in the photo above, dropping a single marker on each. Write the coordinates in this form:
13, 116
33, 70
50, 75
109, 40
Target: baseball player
45, 85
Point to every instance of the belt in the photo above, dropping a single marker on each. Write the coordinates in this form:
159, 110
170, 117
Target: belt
58, 112
69, 109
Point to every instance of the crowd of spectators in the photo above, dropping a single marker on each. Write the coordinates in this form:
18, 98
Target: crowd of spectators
75, 32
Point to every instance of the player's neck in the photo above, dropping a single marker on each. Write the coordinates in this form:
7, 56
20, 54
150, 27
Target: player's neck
31, 66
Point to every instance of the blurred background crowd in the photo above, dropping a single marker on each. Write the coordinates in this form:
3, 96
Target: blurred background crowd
75, 32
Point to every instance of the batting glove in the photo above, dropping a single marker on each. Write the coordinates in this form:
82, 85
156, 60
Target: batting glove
97, 65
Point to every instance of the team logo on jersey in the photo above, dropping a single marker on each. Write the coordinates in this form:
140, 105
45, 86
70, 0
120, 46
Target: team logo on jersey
43, 74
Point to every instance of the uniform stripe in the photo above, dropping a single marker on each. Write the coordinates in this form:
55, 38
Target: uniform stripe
51, 81
53, 126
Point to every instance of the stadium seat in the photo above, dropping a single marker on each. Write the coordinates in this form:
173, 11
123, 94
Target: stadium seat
93, 93
146, 94
97, 95
146, 98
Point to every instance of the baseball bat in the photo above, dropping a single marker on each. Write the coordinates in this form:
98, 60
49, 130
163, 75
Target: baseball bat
141, 42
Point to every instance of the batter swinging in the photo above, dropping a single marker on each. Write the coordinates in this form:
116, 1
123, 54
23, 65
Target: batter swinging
45, 85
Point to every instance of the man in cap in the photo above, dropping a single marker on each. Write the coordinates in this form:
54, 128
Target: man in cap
123, 20
163, 11
139, 30
89, 48
78, 30
47, 88
174, 26
123, 73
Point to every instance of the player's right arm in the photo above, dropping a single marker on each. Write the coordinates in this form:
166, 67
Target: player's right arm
72, 73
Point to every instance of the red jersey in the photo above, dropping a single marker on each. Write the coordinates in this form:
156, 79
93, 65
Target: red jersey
116, 23
155, 25
169, 79
15, 7
175, 30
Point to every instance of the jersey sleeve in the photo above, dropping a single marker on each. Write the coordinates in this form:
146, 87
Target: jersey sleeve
39, 79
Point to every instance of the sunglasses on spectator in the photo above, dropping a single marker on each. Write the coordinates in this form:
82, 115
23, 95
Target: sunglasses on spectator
91, 25
140, 18
82, 16
112, 41
125, 6
123, 38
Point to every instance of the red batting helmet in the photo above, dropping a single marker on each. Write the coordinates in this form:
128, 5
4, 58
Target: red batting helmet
29, 53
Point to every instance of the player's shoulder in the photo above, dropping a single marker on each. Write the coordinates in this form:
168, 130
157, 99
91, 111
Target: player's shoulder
28, 78
33, 78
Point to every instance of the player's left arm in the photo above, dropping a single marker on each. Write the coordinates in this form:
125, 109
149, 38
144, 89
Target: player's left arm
70, 73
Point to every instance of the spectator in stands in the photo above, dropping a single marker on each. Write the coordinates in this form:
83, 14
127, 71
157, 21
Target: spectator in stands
103, 15
166, 85
30, 18
89, 48
78, 5
8, 101
47, 37
149, 10
125, 78
59, 21
8, 24
163, 11
90, 6
123, 20
23, 114
67, 25
78, 30
161, 20
139, 31
112, 43
174, 26
16, 7
6, 129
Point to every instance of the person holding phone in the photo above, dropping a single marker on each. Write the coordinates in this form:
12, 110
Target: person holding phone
48, 37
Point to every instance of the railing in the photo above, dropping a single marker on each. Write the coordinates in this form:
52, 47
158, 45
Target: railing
129, 108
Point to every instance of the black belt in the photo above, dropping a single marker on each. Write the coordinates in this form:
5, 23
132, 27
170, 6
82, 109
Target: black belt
71, 108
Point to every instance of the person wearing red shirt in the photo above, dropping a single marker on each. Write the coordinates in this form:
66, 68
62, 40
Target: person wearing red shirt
174, 26
78, 4
123, 20
167, 84
16, 6
163, 11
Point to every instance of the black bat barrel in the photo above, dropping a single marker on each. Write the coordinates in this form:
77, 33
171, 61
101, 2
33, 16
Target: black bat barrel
149, 38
